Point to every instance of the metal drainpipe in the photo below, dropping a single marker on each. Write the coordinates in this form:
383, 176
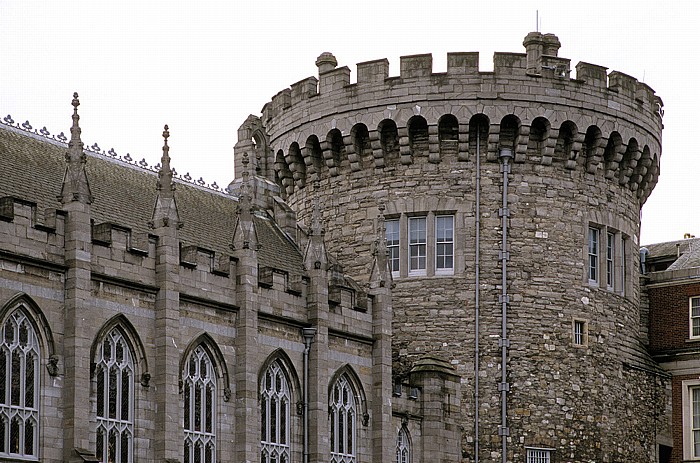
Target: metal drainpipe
505, 156
309, 334
476, 297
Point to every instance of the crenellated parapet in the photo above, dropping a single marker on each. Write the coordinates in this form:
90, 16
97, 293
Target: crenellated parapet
602, 124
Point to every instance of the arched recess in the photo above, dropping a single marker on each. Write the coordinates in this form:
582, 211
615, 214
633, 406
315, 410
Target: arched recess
537, 141
592, 148
127, 330
389, 141
418, 135
641, 168
314, 158
479, 134
359, 392
283, 176
650, 179
262, 151
280, 356
448, 136
212, 349
613, 155
644, 173
361, 144
296, 165
36, 317
565, 150
335, 155
629, 161
509, 133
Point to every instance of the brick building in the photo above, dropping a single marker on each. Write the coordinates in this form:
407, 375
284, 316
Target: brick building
673, 291
432, 266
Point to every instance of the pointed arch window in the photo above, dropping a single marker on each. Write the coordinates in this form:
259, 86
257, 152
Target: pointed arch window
403, 446
343, 417
115, 400
19, 388
275, 398
199, 390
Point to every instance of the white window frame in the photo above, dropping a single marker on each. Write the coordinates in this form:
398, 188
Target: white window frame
610, 260
417, 245
119, 426
593, 255
393, 245
538, 455
689, 430
694, 303
444, 241
199, 379
275, 399
20, 411
343, 418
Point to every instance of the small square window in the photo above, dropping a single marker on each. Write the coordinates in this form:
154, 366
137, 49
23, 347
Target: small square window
537, 455
580, 333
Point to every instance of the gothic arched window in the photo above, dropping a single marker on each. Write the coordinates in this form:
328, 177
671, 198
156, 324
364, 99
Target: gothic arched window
403, 447
19, 388
199, 389
343, 417
275, 398
115, 400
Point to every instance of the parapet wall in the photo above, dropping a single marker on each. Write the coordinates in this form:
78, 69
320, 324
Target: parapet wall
608, 123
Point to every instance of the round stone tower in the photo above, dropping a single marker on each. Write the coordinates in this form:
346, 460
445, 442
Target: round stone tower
512, 201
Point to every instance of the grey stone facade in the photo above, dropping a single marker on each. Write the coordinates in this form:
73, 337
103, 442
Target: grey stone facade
122, 277
293, 275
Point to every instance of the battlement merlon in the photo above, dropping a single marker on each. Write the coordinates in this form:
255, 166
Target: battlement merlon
541, 61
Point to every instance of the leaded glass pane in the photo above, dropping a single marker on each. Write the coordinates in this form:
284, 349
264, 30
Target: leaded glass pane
29, 382
29, 438
3, 376
16, 376
14, 435
112, 390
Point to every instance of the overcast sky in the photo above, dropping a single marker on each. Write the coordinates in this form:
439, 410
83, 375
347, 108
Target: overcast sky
202, 67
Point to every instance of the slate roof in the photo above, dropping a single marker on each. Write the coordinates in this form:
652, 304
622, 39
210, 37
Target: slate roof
32, 168
689, 250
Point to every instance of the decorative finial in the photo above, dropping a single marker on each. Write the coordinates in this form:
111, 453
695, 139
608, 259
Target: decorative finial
75, 183
244, 235
165, 213
165, 174
75, 129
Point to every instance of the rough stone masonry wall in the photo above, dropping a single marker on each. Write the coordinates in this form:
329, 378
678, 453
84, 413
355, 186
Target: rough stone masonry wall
581, 401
